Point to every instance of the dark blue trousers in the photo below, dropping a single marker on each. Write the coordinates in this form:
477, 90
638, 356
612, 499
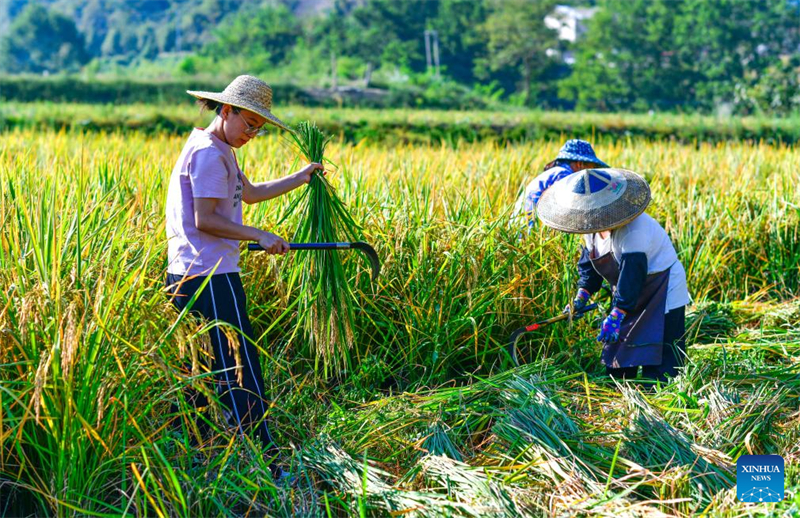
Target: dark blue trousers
223, 299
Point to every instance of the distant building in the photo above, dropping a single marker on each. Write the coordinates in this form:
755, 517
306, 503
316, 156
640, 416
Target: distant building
311, 7
570, 23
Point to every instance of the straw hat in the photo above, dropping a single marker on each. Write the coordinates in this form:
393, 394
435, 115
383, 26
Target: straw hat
594, 200
247, 92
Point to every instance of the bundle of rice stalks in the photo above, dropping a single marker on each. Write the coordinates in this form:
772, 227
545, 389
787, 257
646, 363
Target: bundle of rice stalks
651, 441
326, 299
738, 415
534, 434
710, 321
438, 442
750, 426
698, 401
367, 491
470, 485
785, 315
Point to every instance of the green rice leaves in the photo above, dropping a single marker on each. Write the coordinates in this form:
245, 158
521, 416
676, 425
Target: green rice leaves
326, 302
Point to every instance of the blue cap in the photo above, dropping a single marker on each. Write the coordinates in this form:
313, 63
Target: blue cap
579, 151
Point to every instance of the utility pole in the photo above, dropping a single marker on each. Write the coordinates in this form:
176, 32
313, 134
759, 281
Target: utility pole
368, 74
334, 72
436, 52
427, 50
432, 44
177, 30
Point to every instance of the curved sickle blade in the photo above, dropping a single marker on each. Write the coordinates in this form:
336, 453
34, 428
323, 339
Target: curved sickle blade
514, 338
372, 255
512, 344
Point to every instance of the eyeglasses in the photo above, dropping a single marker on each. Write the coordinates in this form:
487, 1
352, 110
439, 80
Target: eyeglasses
251, 130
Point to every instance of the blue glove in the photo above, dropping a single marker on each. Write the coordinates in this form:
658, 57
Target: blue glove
609, 330
579, 302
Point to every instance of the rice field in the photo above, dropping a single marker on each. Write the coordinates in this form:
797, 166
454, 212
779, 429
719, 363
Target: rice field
417, 126
431, 420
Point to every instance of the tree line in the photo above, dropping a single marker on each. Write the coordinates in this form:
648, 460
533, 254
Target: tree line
741, 56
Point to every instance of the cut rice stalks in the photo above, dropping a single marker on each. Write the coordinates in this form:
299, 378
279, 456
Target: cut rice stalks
326, 300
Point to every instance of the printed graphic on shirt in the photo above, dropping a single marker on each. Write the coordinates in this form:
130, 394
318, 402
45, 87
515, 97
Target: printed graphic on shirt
237, 197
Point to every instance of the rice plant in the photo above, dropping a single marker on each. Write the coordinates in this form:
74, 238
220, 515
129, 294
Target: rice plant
427, 418
326, 298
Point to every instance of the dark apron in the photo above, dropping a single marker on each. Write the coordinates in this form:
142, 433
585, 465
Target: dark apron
641, 336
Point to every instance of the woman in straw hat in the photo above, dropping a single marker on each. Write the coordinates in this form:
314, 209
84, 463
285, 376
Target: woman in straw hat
204, 227
575, 155
631, 251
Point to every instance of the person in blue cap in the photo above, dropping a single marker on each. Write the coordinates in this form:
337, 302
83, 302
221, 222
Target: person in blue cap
575, 155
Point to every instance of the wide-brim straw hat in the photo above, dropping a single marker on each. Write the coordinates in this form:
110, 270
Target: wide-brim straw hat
246, 92
594, 200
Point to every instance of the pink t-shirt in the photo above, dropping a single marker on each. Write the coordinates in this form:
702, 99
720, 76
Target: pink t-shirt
206, 168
